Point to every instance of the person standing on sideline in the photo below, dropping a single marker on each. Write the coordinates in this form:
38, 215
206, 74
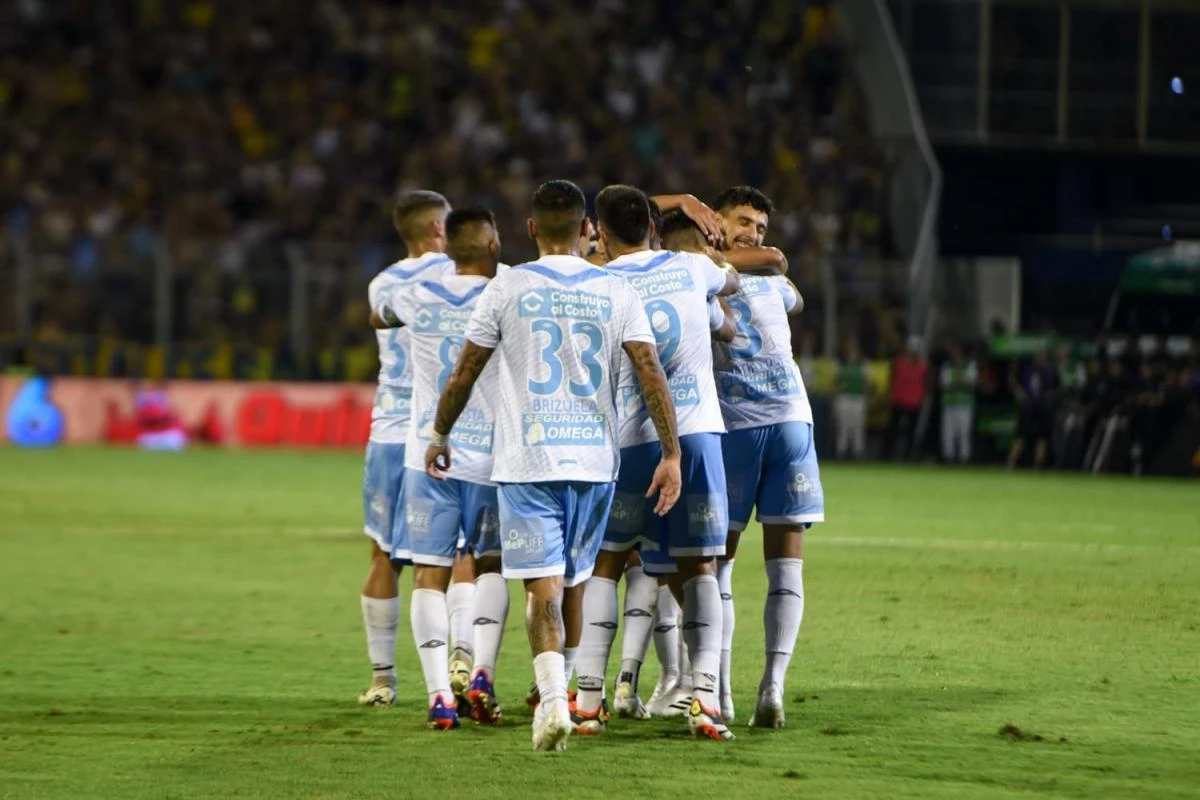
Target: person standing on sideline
958, 380
850, 403
910, 371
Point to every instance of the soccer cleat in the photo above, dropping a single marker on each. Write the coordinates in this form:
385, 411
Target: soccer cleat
627, 703
657, 702
589, 724
551, 726
460, 678
675, 702
769, 712
727, 712
484, 707
441, 716
382, 692
707, 722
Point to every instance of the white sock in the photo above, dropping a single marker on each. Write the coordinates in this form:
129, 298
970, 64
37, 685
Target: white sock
569, 656
490, 614
595, 643
549, 670
702, 632
666, 636
725, 582
381, 617
782, 615
685, 659
641, 595
430, 629
460, 607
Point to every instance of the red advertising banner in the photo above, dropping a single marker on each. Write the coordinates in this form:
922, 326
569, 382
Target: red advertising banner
226, 412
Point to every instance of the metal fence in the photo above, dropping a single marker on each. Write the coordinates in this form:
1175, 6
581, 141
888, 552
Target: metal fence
142, 305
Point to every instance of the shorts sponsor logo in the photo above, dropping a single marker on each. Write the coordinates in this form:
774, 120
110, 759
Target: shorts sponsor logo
520, 541
801, 485
379, 508
708, 511
418, 519
624, 514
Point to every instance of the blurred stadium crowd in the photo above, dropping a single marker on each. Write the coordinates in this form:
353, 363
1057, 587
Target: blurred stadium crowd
233, 128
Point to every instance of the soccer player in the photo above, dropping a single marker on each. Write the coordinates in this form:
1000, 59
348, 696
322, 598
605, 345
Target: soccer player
436, 314
419, 218
770, 460
676, 289
559, 327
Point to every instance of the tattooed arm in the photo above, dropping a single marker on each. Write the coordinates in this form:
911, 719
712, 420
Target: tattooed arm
453, 400
662, 413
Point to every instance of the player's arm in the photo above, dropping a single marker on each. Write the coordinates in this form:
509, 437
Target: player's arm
451, 404
697, 211
725, 326
770, 260
661, 408
384, 313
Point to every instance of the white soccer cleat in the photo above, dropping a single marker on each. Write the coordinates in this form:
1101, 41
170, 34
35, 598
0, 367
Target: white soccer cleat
551, 726
382, 692
627, 703
707, 723
727, 706
769, 711
673, 702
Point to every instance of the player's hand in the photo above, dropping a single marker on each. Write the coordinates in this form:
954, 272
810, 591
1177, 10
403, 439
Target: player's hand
666, 484
437, 461
699, 213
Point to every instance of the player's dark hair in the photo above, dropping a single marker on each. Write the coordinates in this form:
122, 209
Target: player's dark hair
624, 212
465, 240
656, 218
680, 232
408, 212
743, 196
558, 209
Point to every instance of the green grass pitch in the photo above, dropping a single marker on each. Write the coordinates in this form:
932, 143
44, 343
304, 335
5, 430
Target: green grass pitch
187, 626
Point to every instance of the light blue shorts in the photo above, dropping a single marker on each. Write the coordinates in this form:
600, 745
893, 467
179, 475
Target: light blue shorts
443, 517
552, 528
383, 489
632, 522
698, 524
773, 467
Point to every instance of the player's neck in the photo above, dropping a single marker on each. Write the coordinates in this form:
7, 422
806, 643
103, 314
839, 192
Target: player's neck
616, 251
418, 249
549, 248
479, 269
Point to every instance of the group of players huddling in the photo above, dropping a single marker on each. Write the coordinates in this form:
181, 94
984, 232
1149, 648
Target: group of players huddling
573, 420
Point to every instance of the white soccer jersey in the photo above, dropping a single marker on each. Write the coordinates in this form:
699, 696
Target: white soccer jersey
393, 398
557, 325
758, 381
436, 313
675, 289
